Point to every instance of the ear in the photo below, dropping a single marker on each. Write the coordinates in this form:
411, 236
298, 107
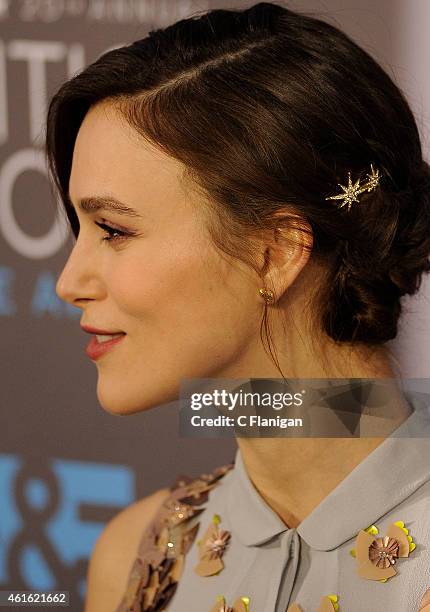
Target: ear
287, 249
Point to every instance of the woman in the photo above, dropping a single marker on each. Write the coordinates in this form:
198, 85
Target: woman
249, 197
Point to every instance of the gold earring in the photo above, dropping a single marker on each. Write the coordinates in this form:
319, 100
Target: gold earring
267, 295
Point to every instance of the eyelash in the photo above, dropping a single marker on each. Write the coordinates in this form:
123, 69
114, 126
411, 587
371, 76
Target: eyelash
111, 231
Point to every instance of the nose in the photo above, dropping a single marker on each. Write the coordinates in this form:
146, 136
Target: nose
80, 279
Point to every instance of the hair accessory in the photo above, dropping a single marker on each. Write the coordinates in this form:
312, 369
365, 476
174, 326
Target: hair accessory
212, 548
376, 557
328, 603
352, 191
240, 605
267, 295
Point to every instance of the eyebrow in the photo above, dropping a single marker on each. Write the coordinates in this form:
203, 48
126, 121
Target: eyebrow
95, 203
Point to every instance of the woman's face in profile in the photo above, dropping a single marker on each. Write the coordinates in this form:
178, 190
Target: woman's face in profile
186, 311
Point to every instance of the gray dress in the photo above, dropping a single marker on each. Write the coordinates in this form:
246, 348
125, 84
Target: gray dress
275, 565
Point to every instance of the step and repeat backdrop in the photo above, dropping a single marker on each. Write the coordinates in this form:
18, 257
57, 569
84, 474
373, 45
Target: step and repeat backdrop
67, 466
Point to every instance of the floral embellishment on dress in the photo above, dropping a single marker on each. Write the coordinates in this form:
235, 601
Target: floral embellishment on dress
376, 557
160, 561
217, 541
425, 602
199, 488
152, 588
383, 552
240, 605
179, 512
328, 603
211, 549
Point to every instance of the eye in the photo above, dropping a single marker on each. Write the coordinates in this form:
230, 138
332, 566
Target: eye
114, 234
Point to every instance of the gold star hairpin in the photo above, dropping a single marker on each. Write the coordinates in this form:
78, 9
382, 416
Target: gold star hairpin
373, 181
352, 190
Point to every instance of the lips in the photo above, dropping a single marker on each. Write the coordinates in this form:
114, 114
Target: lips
95, 349
100, 332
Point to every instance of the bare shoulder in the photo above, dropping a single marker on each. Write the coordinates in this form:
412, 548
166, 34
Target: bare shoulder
115, 551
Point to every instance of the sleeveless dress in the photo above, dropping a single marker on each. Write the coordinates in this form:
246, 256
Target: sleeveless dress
217, 546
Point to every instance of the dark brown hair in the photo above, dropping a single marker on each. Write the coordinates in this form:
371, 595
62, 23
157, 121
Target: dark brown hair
269, 110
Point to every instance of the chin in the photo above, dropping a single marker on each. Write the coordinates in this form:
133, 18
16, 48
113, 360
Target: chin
118, 400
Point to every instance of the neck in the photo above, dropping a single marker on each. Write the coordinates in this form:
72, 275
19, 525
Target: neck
293, 475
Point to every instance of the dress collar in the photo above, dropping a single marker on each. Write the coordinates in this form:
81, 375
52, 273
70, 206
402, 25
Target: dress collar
386, 477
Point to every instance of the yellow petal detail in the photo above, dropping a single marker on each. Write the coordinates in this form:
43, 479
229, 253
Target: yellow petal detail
372, 529
216, 519
412, 547
333, 598
353, 552
399, 523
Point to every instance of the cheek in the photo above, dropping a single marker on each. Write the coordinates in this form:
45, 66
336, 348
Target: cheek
183, 291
